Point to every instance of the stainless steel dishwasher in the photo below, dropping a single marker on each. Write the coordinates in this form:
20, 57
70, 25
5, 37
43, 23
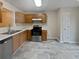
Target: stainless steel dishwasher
6, 49
1, 49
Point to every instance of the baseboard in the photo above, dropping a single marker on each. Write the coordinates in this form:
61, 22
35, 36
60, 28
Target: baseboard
51, 38
73, 42
68, 42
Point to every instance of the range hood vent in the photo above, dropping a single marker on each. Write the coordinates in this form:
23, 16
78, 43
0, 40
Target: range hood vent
36, 19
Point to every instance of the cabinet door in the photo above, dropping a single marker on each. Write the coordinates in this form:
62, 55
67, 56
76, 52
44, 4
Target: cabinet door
19, 17
0, 16
36, 16
6, 17
23, 37
29, 35
44, 18
28, 18
16, 42
44, 35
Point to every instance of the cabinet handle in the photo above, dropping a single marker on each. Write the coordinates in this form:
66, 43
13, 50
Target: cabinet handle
5, 42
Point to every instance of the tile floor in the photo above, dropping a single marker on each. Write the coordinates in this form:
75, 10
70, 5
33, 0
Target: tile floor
47, 50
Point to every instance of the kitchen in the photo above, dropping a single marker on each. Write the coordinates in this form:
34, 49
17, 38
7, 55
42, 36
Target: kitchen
18, 27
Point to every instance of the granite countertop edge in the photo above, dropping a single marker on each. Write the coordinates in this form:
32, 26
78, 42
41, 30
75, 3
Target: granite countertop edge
3, 37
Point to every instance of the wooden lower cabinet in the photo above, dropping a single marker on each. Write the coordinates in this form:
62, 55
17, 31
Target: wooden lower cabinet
44, 35
16, 42
23, 37
19, 39
29, 35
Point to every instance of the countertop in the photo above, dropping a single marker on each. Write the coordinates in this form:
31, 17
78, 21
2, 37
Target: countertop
5, 36
18, 27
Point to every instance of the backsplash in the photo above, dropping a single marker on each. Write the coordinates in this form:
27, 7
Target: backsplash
20, 26
44, 26
3, 29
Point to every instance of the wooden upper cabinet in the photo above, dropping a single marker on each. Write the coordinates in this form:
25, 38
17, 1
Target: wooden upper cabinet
44, 18
0, 17
28, 18
19, 17
36, 16
5, 17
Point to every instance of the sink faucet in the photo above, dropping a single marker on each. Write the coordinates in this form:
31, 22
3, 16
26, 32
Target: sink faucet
9, 29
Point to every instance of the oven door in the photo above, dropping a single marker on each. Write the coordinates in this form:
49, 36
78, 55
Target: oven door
36, 31
36, 38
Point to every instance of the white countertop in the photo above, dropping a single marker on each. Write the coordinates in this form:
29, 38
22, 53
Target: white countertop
18, 27
4, 36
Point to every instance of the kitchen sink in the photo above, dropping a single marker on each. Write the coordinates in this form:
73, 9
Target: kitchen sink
11, 32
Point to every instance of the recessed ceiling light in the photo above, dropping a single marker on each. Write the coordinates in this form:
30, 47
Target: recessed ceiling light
38, 3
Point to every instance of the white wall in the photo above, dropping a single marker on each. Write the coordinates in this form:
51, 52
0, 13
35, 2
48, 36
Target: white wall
73, 12
52, 25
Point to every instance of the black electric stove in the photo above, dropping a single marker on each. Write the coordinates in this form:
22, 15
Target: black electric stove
37, 30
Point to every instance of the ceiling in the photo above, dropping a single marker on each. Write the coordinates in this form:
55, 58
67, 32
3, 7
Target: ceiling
48, 5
